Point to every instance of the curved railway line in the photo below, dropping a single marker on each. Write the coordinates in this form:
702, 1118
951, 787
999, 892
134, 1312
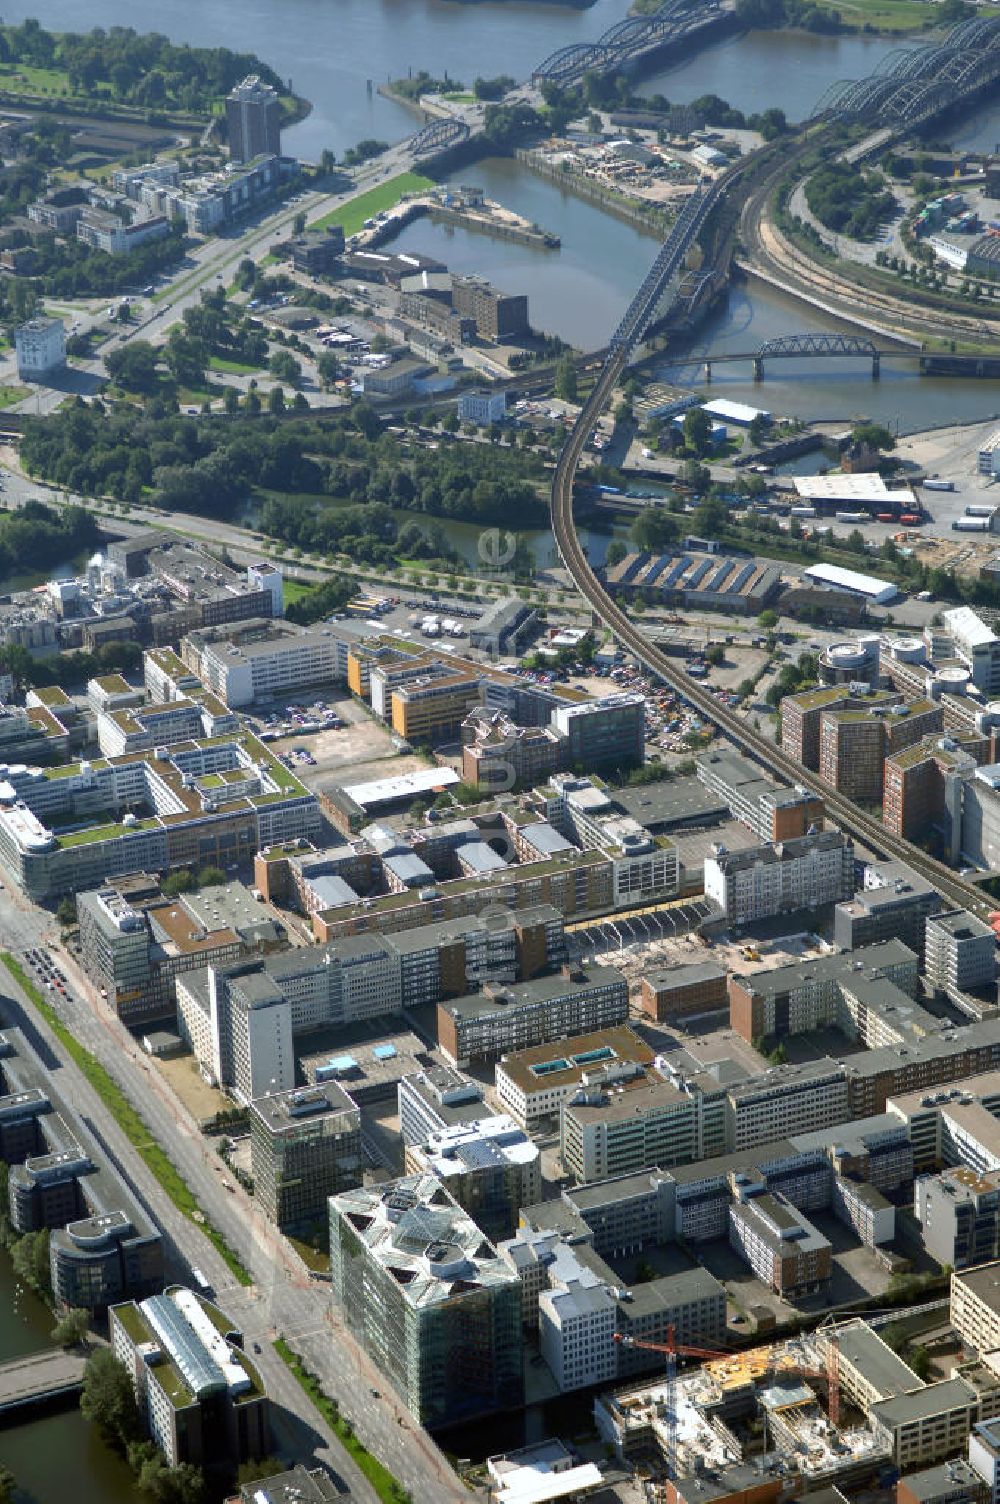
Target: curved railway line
865, 828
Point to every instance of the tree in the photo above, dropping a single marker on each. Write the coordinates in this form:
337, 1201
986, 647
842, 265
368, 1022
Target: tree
299, 222
328, 367
66, 911
284, 365
873, 436
716, 655
698, 430
8, 1483
276, 400
187, 358
617, 551
30, 1257
108, 1401
768, 620
178, 882
231, 401
133, 366
210, 877
71, 1327
566, 385
698, 477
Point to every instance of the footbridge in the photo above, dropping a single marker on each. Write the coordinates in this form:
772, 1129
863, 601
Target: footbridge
627, 41
635, 325
40, 1379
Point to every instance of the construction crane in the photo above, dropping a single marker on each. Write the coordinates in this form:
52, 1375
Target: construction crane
777, 1363
672, 1350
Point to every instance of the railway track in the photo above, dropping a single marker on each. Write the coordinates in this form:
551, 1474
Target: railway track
864, 828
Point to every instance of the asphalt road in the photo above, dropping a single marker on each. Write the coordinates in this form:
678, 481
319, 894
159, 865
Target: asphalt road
284, 1300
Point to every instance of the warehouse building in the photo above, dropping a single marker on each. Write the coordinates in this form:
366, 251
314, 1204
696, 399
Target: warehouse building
700, 581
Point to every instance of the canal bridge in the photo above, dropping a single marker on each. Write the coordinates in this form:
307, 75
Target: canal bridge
40, 1379
627, 41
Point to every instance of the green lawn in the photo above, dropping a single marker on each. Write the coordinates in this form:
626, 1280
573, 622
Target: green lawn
885, 15
388, 1488
11, 394
232, 367
351, 217
294, 590
128, 1120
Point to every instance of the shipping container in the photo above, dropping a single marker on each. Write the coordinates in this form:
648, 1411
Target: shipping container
971, 525
851, 516
939, 485
979, 511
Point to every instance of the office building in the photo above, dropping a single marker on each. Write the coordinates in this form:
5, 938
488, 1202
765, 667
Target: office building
893, 904
253, 120
771, 810
106, 232
929, 1423
532, 1084
41, 348
976, 646
135, 942
499, 316
505, 627
210, 800
961, 953
924, 790
984, 1457
959, 1216
783, 1248
489, 1166
485, 1025
440, 1097
684, 991
103, 1247
201, 1398
317, 252
498, 755
953, 1482
429, 1298
305, 1146
974, 1309
620, 1131
855, 662
808, 995
300, 1485
607, 733
758, 883
786, 1100
802, 715
265, 659
854, 744
482, 407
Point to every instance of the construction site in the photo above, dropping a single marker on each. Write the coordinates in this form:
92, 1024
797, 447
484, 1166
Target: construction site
777, 1419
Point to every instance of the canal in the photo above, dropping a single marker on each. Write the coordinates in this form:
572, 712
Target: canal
56, 1455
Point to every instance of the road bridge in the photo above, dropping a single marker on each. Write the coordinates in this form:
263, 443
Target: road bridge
40, 1378
863, 827
438, 136
626, 42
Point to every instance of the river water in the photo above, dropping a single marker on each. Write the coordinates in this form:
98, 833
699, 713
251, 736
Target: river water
46, 1452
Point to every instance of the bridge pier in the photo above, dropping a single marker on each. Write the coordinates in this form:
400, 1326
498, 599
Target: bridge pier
708, 370
758, 368
876, 370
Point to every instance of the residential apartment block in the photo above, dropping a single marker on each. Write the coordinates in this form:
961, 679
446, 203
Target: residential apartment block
805, 873
485, 1025
783, 1248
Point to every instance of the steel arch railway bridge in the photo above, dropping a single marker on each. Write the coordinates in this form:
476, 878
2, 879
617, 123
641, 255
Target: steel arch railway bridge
626, 41
911, 85
807, 346
636, 323
438, 135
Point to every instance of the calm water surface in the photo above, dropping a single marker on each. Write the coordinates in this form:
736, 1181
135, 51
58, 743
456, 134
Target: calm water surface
43, 1454
331, 49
